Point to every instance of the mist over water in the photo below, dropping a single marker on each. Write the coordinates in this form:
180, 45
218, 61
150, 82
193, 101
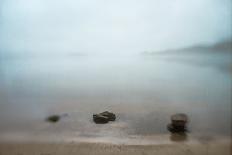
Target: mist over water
41, 27
143, 91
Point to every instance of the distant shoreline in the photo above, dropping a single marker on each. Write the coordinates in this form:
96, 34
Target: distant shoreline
225, 47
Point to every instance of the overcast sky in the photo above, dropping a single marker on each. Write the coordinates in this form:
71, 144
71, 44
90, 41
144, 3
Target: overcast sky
111, 26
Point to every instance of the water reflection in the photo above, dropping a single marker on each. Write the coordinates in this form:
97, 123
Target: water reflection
178, 137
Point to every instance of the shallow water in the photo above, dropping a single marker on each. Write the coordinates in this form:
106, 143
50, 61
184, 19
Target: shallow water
143, 91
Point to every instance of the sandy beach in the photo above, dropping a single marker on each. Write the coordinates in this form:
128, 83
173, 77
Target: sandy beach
166, 144
216, 148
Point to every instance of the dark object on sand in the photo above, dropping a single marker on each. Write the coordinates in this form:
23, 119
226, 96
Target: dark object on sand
104, 117
176, 129
99, 119
178, 123
53, 118
111, 116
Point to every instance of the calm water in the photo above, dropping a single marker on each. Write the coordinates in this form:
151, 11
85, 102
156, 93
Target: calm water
143, 91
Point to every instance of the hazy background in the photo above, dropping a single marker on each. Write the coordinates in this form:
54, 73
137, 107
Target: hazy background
38, 27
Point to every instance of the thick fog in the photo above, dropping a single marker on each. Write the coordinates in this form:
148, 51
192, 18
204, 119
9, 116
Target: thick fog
110, 27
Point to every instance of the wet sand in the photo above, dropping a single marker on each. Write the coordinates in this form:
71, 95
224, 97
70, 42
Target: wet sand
163, 144
215, 148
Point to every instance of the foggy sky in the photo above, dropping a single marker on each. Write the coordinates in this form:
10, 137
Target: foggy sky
111, 26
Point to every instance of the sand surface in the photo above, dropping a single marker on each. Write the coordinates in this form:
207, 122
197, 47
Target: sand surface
219, 148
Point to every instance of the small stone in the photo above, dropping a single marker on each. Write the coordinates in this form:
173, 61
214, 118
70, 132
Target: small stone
104, 117
99, 119
178, 123
179, 119
111, 116
176, 129
53, 118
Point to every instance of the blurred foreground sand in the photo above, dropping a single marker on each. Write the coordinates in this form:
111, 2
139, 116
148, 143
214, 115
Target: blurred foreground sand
214, 148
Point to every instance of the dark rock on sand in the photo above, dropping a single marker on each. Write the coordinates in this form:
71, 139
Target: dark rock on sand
178, 123
111, 116
56, 118
104, 117
176, 129
179, 119
99, 119
53, 118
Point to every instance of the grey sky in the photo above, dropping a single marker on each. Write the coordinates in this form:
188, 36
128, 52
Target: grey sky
111, 26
